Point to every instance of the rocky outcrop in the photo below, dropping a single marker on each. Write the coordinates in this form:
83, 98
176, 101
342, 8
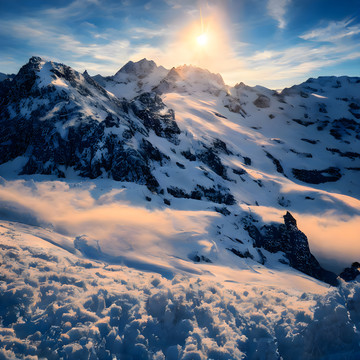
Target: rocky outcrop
293, 242
151, 110
330, 174
262, 102
78, 125
216, 194
351, 273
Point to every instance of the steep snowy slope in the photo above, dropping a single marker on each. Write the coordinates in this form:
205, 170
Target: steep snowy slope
190, 179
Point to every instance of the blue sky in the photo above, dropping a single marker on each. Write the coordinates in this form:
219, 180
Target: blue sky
274, 43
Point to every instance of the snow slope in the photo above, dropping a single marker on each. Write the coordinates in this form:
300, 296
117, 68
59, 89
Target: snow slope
62, 296
142, 216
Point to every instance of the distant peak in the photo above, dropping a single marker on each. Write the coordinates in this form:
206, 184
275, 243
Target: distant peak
188, 71
139, 68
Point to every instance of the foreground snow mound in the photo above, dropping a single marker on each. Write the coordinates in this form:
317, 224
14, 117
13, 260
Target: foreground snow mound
56, 304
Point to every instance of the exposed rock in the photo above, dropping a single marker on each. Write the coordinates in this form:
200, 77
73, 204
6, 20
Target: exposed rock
276, 162
243, 255
310, 141
150, 109
247, 160
344, 127
351, 273
218, 194
222, 210
51, 127
290, 240
213, 161
239, 171
188, 155
233, 105
177, 192
220, 146
303, 122
330, 174
262, 102
349, 154
198, 258
302, 154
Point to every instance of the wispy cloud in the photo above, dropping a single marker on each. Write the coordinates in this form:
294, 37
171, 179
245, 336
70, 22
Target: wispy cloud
147, 33
277, 10
74, 9
74, 35
333, 32
283, 68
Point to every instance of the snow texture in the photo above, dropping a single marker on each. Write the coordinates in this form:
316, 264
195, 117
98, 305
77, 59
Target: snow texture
161, 214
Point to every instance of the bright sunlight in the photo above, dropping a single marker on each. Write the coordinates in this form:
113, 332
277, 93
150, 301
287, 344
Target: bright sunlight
202, 39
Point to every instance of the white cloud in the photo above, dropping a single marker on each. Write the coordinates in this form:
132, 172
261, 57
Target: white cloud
277, 10
284, 68
75, 8
333, 32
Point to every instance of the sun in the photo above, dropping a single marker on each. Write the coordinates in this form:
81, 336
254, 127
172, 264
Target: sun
202, 39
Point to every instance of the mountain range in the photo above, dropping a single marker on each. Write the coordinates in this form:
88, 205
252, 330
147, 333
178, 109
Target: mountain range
244, 165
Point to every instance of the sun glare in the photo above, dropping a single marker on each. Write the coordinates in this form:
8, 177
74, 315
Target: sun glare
202, 39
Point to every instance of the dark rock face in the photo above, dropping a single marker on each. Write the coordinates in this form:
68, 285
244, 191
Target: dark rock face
351, 273
342, 128
330, 174
276, 162
310, 141
71, 137
148, 108
238, 253
303, 122
218, 194
210, 158
188, 155
290, 240
349, 154
262, 102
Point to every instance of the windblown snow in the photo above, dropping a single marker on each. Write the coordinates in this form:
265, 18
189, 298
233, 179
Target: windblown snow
142, 216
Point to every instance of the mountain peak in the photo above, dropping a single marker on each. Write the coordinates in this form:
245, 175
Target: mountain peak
35, 59
140, 68
191, 71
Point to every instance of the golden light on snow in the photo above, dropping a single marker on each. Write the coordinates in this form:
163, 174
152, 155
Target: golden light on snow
202, 39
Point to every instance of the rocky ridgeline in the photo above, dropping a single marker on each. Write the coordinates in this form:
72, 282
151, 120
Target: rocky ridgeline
57, 119
293, 242
92, 142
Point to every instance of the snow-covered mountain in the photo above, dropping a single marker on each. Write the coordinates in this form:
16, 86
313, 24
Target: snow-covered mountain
133, 79
174, 173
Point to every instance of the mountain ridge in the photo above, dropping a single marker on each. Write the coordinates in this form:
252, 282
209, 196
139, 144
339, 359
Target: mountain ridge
67, 120
169, 216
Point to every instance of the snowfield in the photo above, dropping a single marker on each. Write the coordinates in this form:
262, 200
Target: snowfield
161, 214
87, 273
56, 303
